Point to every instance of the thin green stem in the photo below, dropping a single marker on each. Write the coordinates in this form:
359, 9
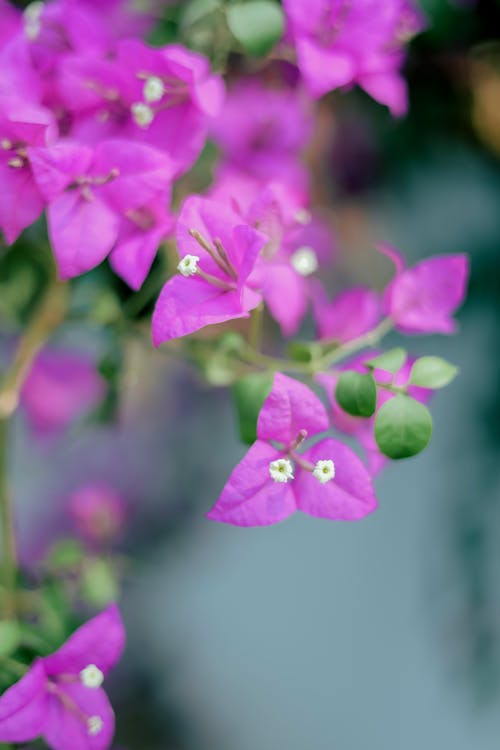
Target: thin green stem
9, 551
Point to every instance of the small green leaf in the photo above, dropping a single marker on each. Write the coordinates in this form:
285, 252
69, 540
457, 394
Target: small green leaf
250, 392
403, 427
256, 25
432, 372
10, 637
390, 361
301, 351
99, 584
356, 393
67, 553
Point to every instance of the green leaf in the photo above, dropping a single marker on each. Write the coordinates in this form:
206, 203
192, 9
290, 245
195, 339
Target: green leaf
10, 637
390, 361
67, 553
256, 25
403, 427
99, 583
432, 372
197, 10
250, 392
302, 351
356, 393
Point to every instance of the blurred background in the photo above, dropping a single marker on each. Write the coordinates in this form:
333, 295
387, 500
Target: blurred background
384, 634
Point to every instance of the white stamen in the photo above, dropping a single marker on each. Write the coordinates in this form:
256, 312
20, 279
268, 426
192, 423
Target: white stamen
91, 676
302, 216
324, 471
281, 470
188, 265
142, 114
6, 144
16, 162
94, 725
153, 89
32, 15
305, 261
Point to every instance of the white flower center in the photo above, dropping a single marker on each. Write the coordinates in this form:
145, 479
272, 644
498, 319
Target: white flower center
91, 676
305, 261
324, 471
153, 89
94, 725
142, 114
281, 470
188, 265
302, 216
32, 19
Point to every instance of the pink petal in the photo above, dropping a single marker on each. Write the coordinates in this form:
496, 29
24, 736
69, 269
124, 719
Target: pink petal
82, 232
99, 641
348, 316
251, 497
347, 497
66, 727
56, 167
285, 293
187, 304
323, 69
388, 88
23, 707
290, 407
390, 252
20, 200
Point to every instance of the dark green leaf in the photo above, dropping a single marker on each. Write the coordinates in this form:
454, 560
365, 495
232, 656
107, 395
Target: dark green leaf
390, 361
250, 392
432, 372
256, 25
356, 393
403, 427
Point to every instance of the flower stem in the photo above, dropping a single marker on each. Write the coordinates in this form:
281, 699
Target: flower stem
9, 552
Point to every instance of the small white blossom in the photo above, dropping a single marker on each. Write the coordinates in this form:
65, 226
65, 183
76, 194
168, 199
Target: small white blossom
324, 471
305, 261
91, 676
188, 265
142, 114
281, 470
302, 216
94, 725
32, 19
153, 89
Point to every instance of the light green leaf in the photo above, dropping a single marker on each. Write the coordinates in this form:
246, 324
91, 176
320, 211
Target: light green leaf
250, 392
403, 427
390, 361
99, 583
10, 637
356, 393
256, 25
432, 372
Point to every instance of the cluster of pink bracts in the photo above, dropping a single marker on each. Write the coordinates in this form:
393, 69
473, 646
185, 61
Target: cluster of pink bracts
95, 128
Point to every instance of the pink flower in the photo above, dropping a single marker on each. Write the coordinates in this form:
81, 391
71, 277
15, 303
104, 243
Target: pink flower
21, 202
262, 130
359, 427
343, 42
60, 699
11, 21
422, 299
90, 192
327, 480
165, 97
218, 252
98, 512
351, 314
61, 387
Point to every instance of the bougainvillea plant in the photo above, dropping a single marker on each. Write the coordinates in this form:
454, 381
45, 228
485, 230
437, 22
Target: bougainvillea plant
107, 132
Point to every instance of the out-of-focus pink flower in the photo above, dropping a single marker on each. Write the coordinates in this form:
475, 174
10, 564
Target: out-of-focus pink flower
351, 314
218, 252
359, 427
61, 699
10, 21
262, 130
327, 480
422, 299
165, 97
21, 125
60, 388
98, 512
344, 42
90, 192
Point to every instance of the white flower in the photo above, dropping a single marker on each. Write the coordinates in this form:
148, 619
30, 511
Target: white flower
94, 725
153, 89
188, 265
91, 676
142, 114
305, 261
32, 19
324, 471
281, 470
